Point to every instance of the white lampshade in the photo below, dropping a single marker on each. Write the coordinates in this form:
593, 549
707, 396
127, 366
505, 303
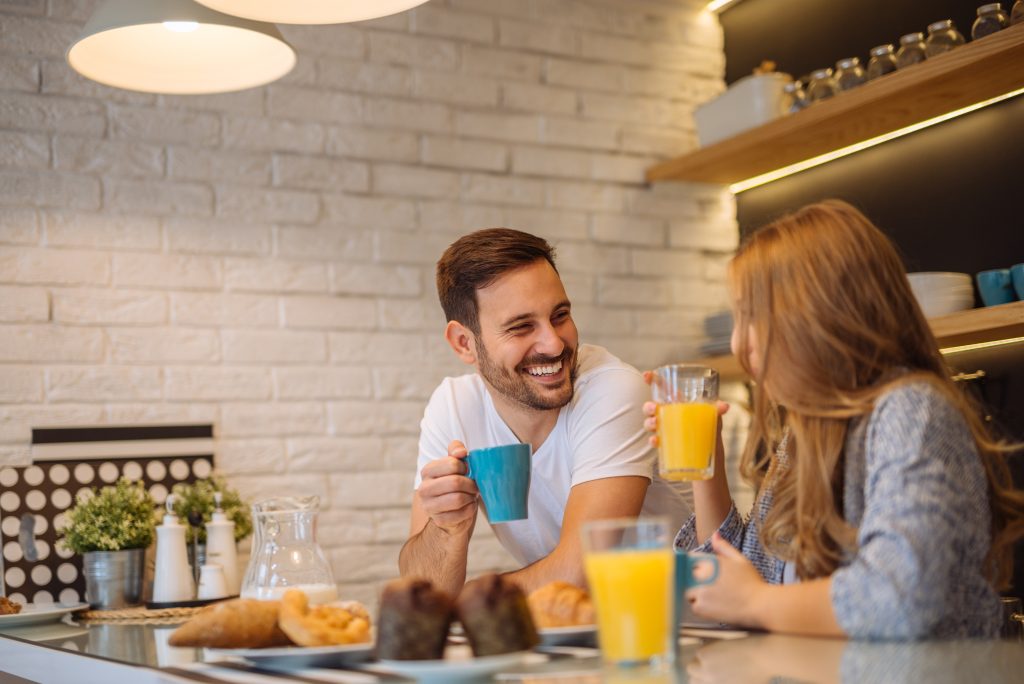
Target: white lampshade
311, 11
177, 47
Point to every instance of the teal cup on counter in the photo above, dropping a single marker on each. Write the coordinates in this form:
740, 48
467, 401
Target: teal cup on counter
502, 474
1017, 278
686, 563
996, 287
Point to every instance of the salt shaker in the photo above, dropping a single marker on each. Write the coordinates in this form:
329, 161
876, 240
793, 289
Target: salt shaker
220, 546
172, 580
911, 50
212, 583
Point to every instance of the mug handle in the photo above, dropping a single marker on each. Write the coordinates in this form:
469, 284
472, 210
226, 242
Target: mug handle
469, 467
704, 558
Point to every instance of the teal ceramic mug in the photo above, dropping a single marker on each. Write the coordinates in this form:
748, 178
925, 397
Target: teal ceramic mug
686, 563
502, 474
995, 287
1017, 278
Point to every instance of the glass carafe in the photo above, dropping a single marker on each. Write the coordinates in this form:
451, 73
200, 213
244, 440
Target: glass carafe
285, 554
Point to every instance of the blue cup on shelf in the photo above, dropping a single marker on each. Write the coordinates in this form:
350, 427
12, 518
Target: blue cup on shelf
996, 287
1017, 277
502, 474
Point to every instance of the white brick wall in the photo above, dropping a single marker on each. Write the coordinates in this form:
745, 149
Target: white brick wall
263, 260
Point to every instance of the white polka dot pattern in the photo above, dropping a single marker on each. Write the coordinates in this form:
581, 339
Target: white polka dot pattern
45, 490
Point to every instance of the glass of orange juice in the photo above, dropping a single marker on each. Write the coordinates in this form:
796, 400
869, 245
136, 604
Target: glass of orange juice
630, 570
687, 420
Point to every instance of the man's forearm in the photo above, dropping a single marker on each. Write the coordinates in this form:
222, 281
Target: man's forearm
438, 556
562, 564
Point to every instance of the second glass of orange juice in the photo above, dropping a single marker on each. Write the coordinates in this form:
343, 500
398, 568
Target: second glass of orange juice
630, 571
687, 420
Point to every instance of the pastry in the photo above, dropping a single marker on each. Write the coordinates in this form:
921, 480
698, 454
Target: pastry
239, 623
8, 607
560, 604
325, 625
413, 621
495, 616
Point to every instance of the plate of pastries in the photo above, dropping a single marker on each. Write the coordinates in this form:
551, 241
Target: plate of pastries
289, 633
498, 624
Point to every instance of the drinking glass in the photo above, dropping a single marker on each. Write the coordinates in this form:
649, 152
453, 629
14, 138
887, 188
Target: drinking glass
687, 420
630, 570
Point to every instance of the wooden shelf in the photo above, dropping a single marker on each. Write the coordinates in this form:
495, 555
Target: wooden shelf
964, 327
969, 74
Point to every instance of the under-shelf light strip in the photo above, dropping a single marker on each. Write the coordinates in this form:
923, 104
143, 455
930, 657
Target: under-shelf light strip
775, 175
718, 5
981, 345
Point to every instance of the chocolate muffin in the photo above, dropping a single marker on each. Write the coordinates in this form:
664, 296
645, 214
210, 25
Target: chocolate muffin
495, 616
414, 620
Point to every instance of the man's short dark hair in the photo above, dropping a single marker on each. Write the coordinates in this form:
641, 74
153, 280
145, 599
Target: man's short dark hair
476, 260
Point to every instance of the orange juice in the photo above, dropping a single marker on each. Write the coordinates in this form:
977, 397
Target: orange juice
686, 438
632, 591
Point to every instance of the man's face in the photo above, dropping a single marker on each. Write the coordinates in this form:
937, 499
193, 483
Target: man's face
526, 349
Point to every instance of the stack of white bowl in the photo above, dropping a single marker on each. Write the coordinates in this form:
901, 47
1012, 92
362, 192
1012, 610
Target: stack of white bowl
940, 294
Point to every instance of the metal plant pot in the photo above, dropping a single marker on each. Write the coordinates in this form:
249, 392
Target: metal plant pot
113, 579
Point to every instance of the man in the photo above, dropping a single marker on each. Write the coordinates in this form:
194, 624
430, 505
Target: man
577, 405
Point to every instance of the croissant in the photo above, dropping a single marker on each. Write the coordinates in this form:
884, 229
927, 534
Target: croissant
239, 623
348, 623
560, 604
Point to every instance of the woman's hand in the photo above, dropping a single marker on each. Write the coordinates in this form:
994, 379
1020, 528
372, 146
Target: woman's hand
735, 596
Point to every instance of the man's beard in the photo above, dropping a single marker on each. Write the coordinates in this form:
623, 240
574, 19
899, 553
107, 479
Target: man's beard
514, 386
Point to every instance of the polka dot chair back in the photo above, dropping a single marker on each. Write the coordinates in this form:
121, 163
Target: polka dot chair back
66, 461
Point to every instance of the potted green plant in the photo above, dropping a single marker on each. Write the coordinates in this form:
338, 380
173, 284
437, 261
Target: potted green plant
111, 529
194, 503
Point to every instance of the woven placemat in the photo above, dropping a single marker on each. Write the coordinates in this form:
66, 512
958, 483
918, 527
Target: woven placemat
141, 613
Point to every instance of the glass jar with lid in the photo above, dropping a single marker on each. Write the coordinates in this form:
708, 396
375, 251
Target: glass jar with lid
942, 37
911, 50
991, 18
822, 85
882, 62
798, 98
849, 73
1017, 13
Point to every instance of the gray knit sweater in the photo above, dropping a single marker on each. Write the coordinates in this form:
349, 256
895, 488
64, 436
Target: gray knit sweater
916, 491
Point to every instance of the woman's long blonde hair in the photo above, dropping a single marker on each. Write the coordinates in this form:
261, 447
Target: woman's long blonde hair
836, 326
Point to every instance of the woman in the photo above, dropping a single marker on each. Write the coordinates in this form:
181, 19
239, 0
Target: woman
884, 509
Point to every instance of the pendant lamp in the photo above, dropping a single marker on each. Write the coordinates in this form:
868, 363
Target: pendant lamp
311, 11
177, 47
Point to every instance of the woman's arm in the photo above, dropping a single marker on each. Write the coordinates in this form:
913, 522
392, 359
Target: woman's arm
741, 597
711, 499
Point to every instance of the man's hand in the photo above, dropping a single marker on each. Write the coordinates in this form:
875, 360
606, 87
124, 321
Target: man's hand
443, 515
446, 495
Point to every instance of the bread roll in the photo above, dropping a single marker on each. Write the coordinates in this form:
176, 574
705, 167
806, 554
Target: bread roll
560, 604
239, 623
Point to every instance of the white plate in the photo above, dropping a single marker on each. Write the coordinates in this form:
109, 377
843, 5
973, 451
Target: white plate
457, 665
576, 635
298, 657
36, 613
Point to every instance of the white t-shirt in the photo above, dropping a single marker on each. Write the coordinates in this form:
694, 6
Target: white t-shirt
598, 434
